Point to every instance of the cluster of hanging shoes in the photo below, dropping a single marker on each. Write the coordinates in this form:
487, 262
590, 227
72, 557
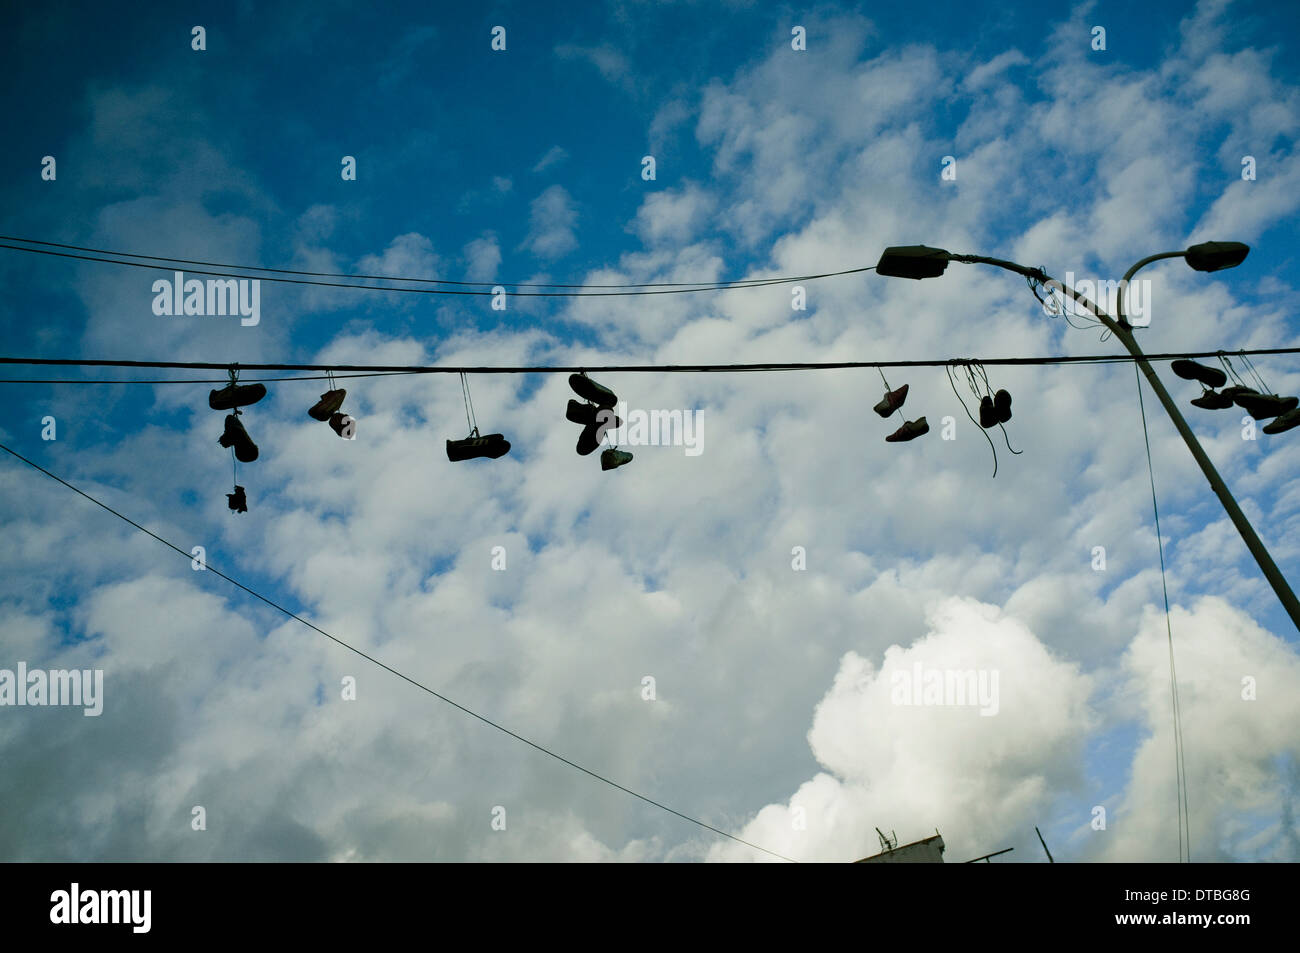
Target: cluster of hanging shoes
595, 412
232, 397
1284, 412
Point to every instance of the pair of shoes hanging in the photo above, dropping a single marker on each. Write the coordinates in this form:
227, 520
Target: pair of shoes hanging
893, 401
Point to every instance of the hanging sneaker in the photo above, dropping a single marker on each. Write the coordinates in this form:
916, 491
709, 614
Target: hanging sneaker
344, 425
1236, 390
1213, 400
492, 446
579, 412
988, 413
892, 401
909, 431
329, 403
1002, 404
1191, 371
588, 441
237, 501
237, 436
611, 458
1284, 422
236, 395
1263, 406
588, 389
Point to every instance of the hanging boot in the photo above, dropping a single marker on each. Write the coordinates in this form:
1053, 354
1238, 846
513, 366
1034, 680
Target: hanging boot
1213, 400
237, 436
237, 501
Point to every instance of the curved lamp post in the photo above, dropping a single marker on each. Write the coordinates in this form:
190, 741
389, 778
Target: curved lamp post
920, 261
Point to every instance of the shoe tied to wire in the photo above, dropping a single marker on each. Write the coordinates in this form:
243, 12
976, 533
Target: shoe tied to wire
492, 446
1002, 404
1192, 371
589, 390
329, 403
893, 399
909, 431
236, 395
1284, 422
611, 459
1263, 406
1213, 400
988, 413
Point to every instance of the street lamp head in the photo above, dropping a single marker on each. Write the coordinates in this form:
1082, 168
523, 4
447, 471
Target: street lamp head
1215, 256
912, 261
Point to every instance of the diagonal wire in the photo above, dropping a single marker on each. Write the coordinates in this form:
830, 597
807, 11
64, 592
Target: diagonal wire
392, 671
1180, 764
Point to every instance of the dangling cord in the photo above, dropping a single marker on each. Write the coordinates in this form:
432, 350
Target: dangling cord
1250, 366
947, 369
234, 468
233, 371
889, 390
1232, 371
1180, 761
471, 419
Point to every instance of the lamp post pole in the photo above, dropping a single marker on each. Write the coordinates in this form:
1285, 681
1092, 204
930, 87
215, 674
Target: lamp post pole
1123, 330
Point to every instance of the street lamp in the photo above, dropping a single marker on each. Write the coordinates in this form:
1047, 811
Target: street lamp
921, 261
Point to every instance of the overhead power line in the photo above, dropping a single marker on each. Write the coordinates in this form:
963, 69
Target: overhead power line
392, 671
385, 370
480, 288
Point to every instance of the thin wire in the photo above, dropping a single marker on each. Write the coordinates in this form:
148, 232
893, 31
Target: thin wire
676, 289
433, 281
399, 369
393, 671
953, 384
1180, 764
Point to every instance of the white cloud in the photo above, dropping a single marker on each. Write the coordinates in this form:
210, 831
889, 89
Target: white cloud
552, 218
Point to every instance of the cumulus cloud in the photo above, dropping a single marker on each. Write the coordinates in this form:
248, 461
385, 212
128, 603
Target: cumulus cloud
552, 219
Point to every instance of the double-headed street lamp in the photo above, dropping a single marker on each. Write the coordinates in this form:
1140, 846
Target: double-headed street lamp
919, 261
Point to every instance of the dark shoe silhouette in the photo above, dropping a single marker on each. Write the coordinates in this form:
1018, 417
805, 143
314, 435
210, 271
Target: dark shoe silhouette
1213, 400
236, 501
236, 395
892, 400
588, 389
587, 440
909, 431
1191, 371
1002, 404
988, 413
237, 436
1284, 422
329, 403
1263, 406
493, 445
611, 458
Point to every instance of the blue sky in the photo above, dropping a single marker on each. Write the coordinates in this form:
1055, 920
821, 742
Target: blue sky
525, 165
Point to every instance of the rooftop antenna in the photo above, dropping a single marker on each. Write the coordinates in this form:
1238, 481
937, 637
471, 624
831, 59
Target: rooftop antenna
887, 842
